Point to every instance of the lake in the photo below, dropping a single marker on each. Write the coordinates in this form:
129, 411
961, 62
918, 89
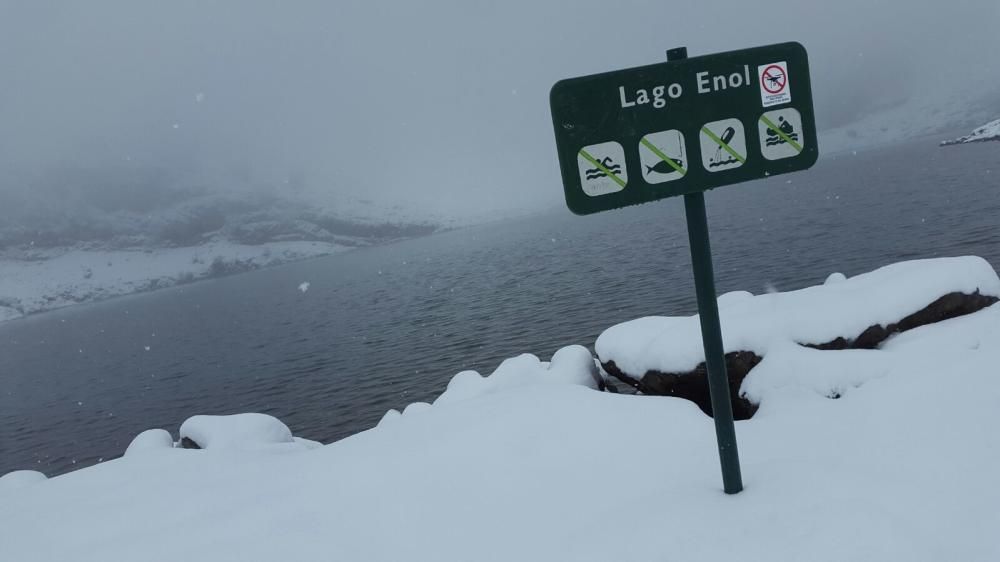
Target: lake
382, 327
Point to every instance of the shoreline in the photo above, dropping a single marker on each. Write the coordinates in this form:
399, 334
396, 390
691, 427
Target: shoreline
68, 277
523, 451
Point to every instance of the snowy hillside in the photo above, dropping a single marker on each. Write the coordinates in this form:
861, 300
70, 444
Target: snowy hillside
924, 113
57, 278
988, 132
534, 463
86, 237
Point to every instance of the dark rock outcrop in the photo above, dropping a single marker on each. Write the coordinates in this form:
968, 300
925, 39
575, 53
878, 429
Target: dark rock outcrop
693, 385
949, 306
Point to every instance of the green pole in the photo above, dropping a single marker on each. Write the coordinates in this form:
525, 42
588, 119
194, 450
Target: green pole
711, 333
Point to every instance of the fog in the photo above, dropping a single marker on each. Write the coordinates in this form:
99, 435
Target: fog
436, 109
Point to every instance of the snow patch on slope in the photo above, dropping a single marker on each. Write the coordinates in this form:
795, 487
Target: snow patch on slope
53, 280
987, 132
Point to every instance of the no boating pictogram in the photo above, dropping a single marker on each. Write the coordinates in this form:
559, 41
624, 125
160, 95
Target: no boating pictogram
774, 86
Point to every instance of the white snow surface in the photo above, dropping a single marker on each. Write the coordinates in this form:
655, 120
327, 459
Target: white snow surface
54, 279
531, 463
20, 479
236, 431
841, 307
150, 440
570, 365
989, 131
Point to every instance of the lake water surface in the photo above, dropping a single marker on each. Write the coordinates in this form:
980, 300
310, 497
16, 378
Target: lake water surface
383, 327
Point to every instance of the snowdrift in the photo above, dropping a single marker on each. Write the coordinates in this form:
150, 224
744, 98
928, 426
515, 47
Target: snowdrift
535, 463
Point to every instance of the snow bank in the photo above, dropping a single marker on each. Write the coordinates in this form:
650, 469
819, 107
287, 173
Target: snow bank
237, 431
53, 280
570, 365
987, 132
833, 375
150, 440
841, 307
20, 479
531, 463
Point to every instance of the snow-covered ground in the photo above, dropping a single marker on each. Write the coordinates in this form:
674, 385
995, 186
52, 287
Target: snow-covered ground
987, 132
533, 463
56, 278
840, 307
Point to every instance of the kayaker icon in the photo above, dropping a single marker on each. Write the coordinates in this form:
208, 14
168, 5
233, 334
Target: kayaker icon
663, 156
785, 126
780, 133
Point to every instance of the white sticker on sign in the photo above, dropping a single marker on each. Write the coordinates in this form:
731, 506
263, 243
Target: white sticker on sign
602, 168
774, 86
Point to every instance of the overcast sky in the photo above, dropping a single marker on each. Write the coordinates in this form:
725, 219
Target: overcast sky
436, 106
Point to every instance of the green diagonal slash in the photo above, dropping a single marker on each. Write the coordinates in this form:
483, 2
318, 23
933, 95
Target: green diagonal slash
601, 167
725, 146
662, 156
770, 124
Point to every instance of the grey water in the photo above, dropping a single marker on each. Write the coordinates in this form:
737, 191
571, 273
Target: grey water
382, 327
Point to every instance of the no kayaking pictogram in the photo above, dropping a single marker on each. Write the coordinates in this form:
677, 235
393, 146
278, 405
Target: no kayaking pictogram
781, 133
774, 87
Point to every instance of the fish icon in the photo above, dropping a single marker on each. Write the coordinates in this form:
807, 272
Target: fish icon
663, 167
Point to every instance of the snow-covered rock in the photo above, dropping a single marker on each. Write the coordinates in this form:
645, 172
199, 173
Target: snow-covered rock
987, 132
150, 440
237, 431
664, 355
571, 365
19, 479
416, 408
814, 315
389, 417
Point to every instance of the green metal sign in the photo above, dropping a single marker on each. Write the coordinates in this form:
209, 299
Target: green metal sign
684, 126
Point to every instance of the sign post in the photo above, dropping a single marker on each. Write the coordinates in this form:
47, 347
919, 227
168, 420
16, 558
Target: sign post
680, 128
711, 331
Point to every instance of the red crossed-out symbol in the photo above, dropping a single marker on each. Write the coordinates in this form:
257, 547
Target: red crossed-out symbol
773, 79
